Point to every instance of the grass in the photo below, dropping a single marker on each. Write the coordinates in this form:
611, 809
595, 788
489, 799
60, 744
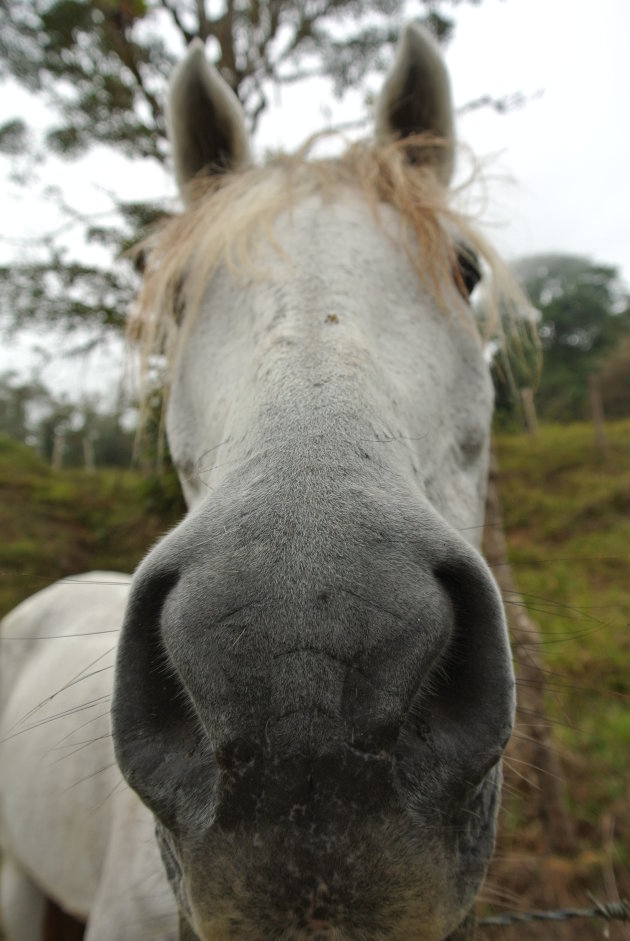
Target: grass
567, 516
60, 523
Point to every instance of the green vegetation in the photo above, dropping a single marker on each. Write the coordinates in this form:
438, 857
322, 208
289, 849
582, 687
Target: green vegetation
567, 516
584, 329
566, 506
59, 523
67, 433
101, 68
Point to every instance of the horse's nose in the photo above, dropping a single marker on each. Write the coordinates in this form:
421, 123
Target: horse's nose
244, 650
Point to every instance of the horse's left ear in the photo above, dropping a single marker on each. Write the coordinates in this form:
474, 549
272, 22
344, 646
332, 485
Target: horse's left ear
206, 121
416, 97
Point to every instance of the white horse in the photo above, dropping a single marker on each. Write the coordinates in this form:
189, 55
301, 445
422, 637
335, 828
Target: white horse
313, 686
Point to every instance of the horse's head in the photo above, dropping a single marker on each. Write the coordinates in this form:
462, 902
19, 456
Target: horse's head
314, 685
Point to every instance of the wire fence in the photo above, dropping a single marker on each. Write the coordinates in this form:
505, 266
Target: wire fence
609, 911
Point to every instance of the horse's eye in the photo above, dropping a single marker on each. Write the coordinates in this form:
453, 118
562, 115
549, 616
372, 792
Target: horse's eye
468, 273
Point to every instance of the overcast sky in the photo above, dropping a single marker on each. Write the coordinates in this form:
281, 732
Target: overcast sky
558, 168
560, 165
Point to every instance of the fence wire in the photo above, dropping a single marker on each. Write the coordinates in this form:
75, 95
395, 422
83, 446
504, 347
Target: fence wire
609, 911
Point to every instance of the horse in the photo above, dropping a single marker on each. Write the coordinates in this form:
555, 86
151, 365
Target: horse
310, 676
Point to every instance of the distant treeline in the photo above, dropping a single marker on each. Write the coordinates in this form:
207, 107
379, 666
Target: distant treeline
583, 328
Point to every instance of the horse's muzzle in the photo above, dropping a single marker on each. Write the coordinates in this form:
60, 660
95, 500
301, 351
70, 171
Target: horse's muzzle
314, 678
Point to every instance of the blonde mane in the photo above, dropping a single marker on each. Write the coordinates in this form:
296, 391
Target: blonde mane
226, 211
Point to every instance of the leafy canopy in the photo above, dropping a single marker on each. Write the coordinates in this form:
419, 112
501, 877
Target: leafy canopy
584, 315
101, 67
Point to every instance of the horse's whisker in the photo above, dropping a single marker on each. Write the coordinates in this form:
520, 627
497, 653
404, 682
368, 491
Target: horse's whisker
55, 718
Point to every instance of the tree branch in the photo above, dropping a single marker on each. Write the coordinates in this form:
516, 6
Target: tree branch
154, 105
188, 36
502, 105
127, 52
299, 75
303, 30
222, 29
202, 17
260, 107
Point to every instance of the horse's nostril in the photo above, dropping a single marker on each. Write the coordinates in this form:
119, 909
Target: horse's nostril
157, 733
468, 703
150, 592
378, 740
236, 754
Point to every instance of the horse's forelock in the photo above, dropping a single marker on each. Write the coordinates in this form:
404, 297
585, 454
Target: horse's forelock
226, 211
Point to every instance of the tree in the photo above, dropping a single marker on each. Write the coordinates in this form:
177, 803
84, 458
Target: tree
614, 377
76, 434
102, 65
19, 400
118, 54
584, 313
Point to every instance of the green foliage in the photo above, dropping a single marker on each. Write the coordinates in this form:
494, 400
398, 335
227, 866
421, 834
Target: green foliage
13, 137
515, 365
17, 399
30, 413
566, 511
584, 315
102, 68
66, 292
88, 61
567, 517
615, 381
101, 64
60, 291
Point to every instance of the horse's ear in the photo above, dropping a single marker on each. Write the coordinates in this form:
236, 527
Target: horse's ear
416, 97
206, 121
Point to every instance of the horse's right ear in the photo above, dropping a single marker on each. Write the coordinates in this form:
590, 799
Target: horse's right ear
206, 121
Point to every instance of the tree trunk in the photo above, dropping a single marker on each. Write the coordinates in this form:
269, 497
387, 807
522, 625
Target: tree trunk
597, 411
59, 447
89, 460
533, 750
529, 411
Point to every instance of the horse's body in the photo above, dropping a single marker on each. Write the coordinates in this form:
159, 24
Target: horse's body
313, 685
71, 829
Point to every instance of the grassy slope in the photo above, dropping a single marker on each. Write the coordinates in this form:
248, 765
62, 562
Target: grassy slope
56, 524
566, 508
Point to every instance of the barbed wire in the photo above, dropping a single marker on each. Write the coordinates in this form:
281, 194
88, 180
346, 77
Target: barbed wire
610, 911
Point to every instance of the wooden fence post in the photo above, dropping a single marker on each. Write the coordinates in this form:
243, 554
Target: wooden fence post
529, 411
59, 447
597, 411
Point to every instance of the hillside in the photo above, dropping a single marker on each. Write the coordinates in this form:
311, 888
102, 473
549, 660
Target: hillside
567, 514
60, 523
566, 509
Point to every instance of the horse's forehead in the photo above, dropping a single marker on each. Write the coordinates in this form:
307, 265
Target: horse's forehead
337, 252
333, 279
344, 217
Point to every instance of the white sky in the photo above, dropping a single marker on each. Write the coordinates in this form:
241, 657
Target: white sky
559, 169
